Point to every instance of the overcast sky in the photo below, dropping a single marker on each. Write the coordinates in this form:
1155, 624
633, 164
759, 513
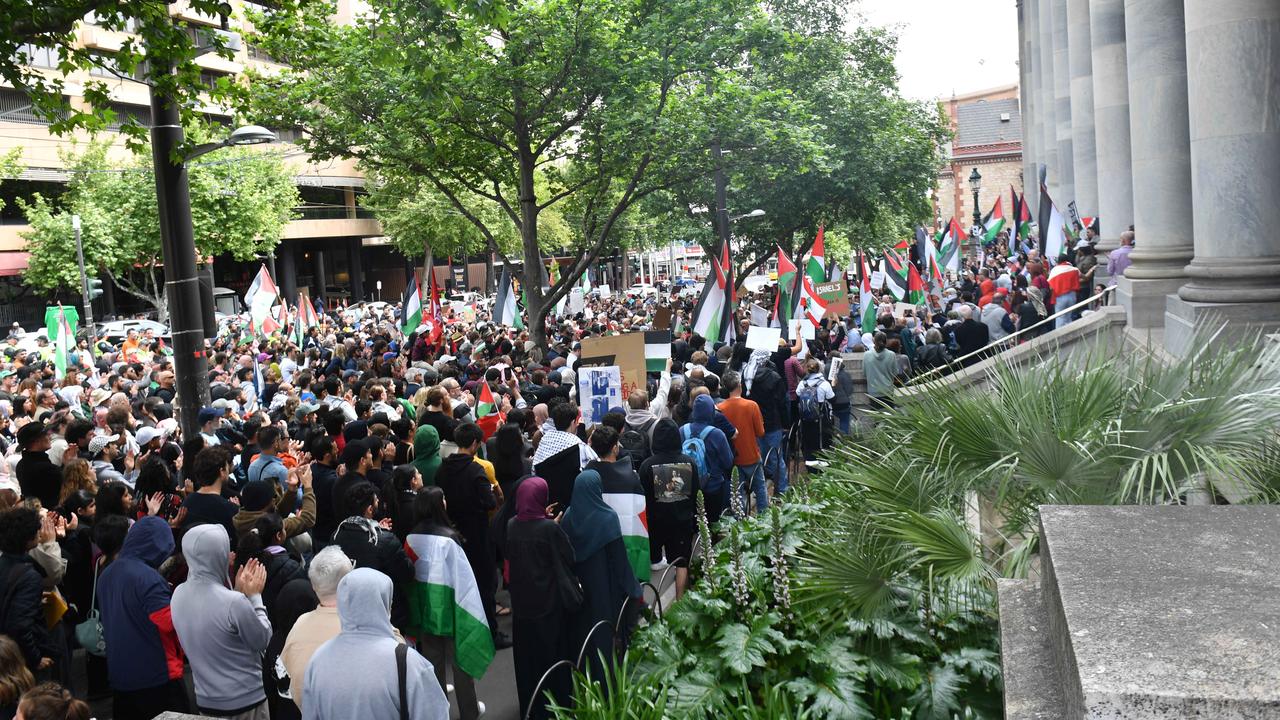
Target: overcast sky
949, 46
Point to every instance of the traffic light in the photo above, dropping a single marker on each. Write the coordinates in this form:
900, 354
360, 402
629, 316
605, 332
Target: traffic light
95, 288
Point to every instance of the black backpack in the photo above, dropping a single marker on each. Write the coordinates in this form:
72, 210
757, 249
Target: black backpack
638, 442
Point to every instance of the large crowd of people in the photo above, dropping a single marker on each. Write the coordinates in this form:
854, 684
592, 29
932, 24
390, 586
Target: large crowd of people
332, 543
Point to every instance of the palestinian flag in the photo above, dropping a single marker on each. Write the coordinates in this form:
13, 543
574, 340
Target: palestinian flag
783, 300
1023, 214
63, 342
949, 248
445, 601
866, 301
627, 501
411, 306
306, 319
816, 267
434, 318
993, 223
915, 286
259, 298
657, 350
505, 311
895, 274
1052, 228
811, 303
485, 404
713, 304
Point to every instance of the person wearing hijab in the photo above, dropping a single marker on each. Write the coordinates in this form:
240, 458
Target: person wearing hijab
539, 560
601, 565
426, 453
355, 674
1031, 311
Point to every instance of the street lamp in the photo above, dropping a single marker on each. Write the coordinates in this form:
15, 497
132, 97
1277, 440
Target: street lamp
753, 214
178, 248
975, 182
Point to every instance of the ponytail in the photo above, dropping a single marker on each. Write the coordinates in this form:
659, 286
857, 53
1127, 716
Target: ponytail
51, 701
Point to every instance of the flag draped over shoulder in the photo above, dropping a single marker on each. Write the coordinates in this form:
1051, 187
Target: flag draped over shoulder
411, 306
445, 601
993, 223
629, 504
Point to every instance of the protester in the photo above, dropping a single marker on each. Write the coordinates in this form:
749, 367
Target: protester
315, 628
711, 452
749, 424
671, 482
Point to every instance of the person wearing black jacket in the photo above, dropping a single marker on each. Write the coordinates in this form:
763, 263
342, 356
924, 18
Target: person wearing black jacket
324, 478
371, 545
37, 475
21, 579
670, 481
769, 390
469, 497
971, 336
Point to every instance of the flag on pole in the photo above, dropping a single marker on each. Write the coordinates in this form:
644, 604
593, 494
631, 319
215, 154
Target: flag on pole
949, 248
282, 316
657, 350
63, 343
866, 302
445, 601
485, 403
729, 327
817, 259
993, 223
505, 310
811, 303
1052, 228
411, 306
782, 301
915, 286
1022, 215
709, 313
895, 274
259, 298
306, 319
434, 315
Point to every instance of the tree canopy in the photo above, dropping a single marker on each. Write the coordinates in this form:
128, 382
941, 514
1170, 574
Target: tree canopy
240, 203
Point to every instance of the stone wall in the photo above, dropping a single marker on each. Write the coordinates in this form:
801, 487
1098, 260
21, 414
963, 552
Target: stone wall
997, 177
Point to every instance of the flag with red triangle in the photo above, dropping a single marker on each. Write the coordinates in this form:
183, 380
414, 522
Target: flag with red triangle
992, 223
485, 403
782, 300
915, 286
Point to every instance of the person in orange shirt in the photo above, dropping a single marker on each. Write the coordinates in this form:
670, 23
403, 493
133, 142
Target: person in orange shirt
745, 416
129, 348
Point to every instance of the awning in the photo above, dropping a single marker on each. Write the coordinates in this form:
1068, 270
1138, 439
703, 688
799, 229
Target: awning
13, 263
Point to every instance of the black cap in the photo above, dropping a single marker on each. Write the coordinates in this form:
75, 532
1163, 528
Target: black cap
30, 432
257, 495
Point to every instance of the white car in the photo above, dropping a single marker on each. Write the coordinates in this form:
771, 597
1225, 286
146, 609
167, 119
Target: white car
754, 283
119, 329
642, 290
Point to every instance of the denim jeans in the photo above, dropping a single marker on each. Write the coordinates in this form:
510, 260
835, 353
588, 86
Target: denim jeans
1062, 302
844, 416
776, 462
751, 479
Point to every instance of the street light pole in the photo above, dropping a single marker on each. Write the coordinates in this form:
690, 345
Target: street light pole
178, 248
84, 277
975, 181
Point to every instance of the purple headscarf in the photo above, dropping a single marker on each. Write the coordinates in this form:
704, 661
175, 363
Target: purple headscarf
531, 499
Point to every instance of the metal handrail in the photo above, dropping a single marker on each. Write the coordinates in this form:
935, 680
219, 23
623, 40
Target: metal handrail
987, 349
528, 713
582, 653
657, 596
671, 565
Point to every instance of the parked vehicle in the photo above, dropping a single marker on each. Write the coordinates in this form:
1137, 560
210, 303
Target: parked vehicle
118, 330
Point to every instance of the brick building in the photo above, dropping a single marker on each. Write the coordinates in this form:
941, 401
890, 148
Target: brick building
987, 127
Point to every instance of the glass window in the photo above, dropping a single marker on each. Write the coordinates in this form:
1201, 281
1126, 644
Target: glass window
35, 56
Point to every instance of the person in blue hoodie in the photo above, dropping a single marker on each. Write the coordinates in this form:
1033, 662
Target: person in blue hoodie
717, 453
223, 631
144, 659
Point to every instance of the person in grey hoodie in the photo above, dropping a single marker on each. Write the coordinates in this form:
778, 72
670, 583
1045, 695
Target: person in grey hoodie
354, 675
223, 631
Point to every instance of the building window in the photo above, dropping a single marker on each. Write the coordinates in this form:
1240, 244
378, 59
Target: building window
210, 78
15, 107
36, 56
129, 24
256, 53
289, 135
124, 112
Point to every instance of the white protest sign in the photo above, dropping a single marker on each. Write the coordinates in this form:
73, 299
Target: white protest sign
877, 280
801, 328
599, 388
763, 338
577, 301
759, 315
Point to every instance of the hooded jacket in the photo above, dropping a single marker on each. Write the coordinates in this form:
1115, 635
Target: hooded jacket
719, 452
354, 674
674, 474
223, 632
769, 391
142, 645
426, 453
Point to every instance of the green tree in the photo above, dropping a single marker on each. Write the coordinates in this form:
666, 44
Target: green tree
609, 100
240, 203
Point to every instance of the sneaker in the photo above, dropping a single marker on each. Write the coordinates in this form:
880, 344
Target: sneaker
448, 688
501, 641
480, 708
659, 566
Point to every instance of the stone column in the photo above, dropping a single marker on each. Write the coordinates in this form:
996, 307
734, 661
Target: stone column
1062, 105
1161, 145
1084, 154
1031, 116
355, 269
1233, 91
1111, 120
286, 263
1024, 89
1045, 104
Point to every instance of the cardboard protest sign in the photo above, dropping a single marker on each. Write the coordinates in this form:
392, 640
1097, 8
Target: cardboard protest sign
836, 295
763, 338
599, 388
662, 318
625, 351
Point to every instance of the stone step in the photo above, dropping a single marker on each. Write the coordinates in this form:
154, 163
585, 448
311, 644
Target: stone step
1032, 684
1160, 612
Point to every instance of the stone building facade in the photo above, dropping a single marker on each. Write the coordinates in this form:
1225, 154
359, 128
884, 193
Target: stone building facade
987, 134
1162, 115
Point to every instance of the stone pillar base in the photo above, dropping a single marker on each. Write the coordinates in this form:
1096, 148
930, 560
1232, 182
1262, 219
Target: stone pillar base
1184, 318
1144, 300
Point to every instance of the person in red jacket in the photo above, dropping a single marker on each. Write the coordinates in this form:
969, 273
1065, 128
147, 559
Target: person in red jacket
1064, 282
